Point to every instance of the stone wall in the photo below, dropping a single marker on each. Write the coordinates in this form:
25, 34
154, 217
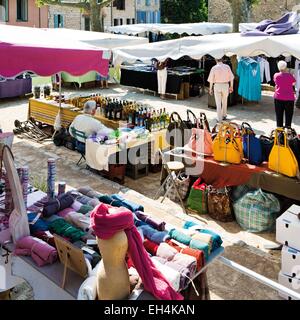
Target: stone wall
71, 17
220, 11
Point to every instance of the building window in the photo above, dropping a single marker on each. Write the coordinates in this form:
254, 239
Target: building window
128, 21
4, 10
87, 23
116, 22
58, 21
148, 3
22, 10
156, 2
121, 21
120, 4
133, 21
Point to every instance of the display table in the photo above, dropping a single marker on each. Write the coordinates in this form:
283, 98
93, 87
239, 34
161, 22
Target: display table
45, 111
97, 155
15, 88
221, 174
88, 77
148, 80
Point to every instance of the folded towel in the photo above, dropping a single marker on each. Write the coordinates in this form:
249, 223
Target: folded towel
166, 252
127, 203
150, 246
186, 261
65, 212
76, 205
198, 254
199, 245
93, 202
78, 220
204, 237
39, 225
41, 252
63, 228
154, 235
156, 223
85, 208
170, 274
216, 239
53, 206
88, 191
180, 236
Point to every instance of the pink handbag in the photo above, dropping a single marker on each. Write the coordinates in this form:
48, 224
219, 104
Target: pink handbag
200, 142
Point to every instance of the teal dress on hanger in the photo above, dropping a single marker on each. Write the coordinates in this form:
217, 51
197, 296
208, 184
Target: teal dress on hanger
249, 83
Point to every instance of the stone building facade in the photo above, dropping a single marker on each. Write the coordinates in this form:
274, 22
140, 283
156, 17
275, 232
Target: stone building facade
117, 13
220, 10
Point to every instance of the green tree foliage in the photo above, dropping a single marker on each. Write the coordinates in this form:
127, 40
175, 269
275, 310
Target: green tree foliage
184, 11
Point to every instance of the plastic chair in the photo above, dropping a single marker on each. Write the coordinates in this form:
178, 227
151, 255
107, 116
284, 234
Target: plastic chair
173, 169
80, 146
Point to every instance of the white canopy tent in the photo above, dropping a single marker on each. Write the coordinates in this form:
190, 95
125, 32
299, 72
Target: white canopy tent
214, 45
99, 39
201, 28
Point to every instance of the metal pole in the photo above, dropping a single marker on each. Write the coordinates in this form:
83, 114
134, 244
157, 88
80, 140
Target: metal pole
59, 89
270, 283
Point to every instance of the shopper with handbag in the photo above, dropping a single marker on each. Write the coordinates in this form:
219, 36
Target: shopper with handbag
219, 78
284, 97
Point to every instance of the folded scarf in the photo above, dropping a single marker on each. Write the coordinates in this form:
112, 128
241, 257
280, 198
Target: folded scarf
78, 220
154, 222
151, 247
106, 225
127, 204
154, 235
170, 274
204, 237
39, 225
166, 252
53, 206
46, 236
109, 200
139, 223
52, 218
184, 273
85, 208
76, 205
41, 252
188, 241
93, 203
63, 228
216, 239
65, 212
186, 261
88, 191
198, 254
79, 196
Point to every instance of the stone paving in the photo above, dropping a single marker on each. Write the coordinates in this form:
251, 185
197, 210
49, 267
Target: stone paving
240, 246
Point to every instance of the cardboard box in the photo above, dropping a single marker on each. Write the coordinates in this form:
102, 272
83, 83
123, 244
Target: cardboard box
290, 262
288, 228
289, 282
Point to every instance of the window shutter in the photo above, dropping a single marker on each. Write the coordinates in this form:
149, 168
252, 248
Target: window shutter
55, 21
61, 21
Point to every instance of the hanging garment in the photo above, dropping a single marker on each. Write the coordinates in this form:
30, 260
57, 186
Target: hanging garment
106, 225
250, 80
264, 70
297, 77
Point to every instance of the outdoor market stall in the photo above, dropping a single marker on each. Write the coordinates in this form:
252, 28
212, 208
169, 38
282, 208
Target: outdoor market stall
15, 87
98, 39
201, 28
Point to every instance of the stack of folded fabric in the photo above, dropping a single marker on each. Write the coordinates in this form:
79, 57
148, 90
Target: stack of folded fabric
53, 206
193, 243
117, 200
40, 251
153, 222
216, 241
153, 235
63, 228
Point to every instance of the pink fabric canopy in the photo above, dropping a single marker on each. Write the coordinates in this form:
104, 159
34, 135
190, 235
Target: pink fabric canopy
31, 49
